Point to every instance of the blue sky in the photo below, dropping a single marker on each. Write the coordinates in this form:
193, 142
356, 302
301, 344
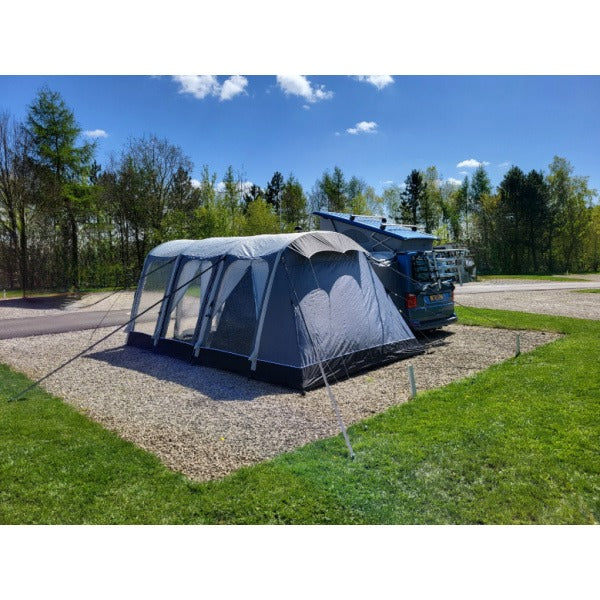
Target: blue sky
378, 129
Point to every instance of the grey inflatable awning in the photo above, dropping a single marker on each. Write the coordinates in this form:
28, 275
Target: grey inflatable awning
259, 246
322, 241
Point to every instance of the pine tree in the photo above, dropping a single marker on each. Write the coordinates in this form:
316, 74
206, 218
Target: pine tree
480, 186
66, 166
414, 191
293, 204
273, 191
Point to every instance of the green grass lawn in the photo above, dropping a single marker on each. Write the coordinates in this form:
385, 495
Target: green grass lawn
49, 293
37, 294
596, 291
531, 277
517, 443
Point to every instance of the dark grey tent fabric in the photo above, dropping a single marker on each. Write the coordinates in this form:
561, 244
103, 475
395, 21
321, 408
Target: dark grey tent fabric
270, 307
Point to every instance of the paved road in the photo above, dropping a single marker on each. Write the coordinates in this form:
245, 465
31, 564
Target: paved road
80, 320
542, 286
70, 321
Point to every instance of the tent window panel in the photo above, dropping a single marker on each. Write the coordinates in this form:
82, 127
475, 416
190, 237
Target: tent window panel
260, 274
153, 291
186, 303
279, 343
234, 322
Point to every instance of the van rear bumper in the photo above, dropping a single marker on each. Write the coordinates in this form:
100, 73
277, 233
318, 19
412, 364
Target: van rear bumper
424, 324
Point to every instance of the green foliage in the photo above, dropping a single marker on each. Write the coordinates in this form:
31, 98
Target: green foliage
54, 133
592, 240
516, 443
569, 196
293, 204
480, 187
274, 189
415, 189
254, 193
333, 187
230, 196
392, 198
454, 203
332, 192
375, 203
148, 195
430, 208
210, 220
536, 223
64, 168
260, 218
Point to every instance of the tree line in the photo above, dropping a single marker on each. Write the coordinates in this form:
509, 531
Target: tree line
67, 223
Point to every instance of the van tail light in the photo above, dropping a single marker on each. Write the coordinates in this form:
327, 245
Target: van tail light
452, 296
411, 301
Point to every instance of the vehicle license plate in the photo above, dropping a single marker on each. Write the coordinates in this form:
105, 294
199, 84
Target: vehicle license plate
435, 297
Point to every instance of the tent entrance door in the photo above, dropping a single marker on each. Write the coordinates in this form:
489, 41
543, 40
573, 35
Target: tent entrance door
184, 309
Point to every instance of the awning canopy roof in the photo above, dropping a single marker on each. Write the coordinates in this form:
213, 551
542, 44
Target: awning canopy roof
258, 246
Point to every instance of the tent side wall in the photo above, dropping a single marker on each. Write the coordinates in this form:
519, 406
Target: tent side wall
344, 317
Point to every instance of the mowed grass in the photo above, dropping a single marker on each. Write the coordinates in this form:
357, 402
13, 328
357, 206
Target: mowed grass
595, 291
55, 293
517, 443
531, 277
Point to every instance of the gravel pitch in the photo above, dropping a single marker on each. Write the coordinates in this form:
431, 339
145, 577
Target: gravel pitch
587, 276
207, 423
565, 303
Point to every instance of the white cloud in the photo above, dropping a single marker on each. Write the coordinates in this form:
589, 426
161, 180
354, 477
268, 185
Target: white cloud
201, 86
195, 183
245, 186
242, 186
299, 85
363, 127
453, 181
198, 86
306, 107
387, 182
96, 133
471, 163
379, 81
233, 86
463, 173
504, 164
337, 133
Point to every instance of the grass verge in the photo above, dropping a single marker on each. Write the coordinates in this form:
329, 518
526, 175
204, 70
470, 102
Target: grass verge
54, 293
595, 291
531, 277
517, 443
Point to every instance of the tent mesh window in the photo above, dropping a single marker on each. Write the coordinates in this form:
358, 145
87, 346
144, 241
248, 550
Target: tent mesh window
234, 318
153, 290
185, 306
184, 310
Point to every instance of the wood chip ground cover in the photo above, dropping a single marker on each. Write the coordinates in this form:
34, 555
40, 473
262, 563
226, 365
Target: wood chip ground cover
207, 423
